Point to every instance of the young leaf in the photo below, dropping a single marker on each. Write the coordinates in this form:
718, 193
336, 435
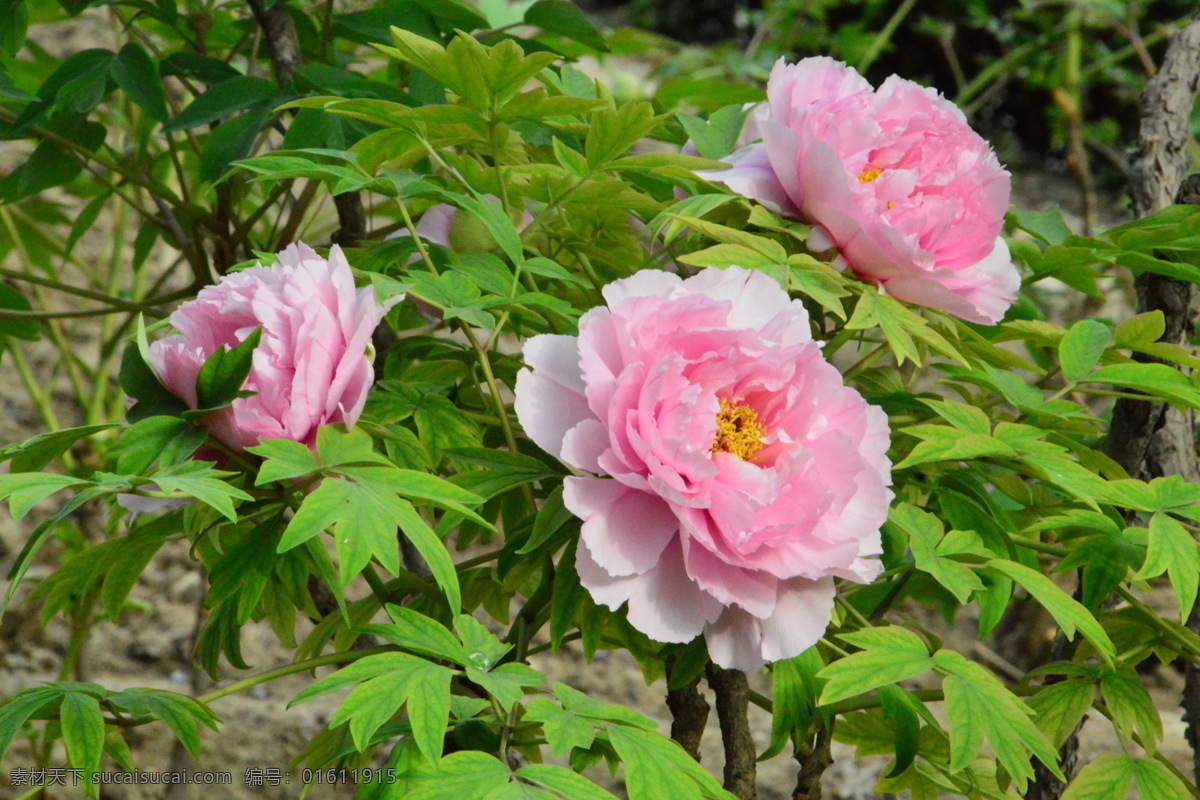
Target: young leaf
888, 655
1082, 347
565, 782
1106, 778
564, 730
221, 377
1173, 550
83, 731
282, 460
1131, 707
978, 706
657, 767
1067, 612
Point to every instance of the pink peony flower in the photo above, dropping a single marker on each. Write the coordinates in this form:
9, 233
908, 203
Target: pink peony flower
894, 178
742, 475
312, 367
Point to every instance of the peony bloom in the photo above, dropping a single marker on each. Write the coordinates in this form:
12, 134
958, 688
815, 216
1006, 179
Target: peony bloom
741, 475
894, 178
312, 366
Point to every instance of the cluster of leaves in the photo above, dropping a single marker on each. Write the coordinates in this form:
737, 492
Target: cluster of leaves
999, 478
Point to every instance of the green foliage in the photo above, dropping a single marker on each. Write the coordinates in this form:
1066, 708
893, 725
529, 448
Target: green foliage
553, 185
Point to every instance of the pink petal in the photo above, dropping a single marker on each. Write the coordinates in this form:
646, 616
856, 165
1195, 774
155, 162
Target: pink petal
625, 530
663, 603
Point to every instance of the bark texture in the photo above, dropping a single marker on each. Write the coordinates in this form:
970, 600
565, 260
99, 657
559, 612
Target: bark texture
1150, 439
689, 714
733, 703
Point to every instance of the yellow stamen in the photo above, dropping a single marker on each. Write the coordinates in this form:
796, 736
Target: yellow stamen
870, 174
738, 431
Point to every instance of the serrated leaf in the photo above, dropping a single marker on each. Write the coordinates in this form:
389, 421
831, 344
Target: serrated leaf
1106, 778
1131, 707
925, 533
282, 460
414, 631
1060, 707
465, 775
1156, 782
1172, 549
978, 707
1067, 612
657, 767
563, 781
182, 714
564, 730
889, 654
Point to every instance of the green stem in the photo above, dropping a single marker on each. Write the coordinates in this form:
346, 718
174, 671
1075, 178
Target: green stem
290, 669
880, 40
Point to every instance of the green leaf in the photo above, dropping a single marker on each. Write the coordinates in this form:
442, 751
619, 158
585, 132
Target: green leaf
199, 480
978, 707
900, 709
231, 141
484, 647
220, 379
137, 75
163, 440
564, 730
283, 460
1060, 707
38, 538
717, 137
1172, 549
925, 535
552, 517
1067, 612
565, 782
795, 691
1155, 379
83, 732
222, 100
465, 775
1131, 707
1141, 330
565, 18
141, 383
423, 686
613, 132
12, 300
1156, 782
657, 767
1106, 778
414, 631
1080, 350
433, 550
889, 654
182, 714
20, 708
507, 682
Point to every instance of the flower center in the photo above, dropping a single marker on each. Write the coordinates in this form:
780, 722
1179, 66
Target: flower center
738, 431
869, 174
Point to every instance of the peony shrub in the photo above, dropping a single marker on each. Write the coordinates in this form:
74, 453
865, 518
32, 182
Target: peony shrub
763, 425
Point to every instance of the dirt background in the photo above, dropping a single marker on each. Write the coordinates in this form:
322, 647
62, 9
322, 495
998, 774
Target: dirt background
151, 645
